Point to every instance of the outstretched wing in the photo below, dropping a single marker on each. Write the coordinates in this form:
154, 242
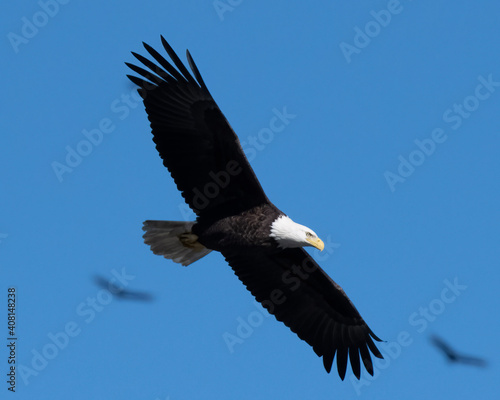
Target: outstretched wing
444, 347
294, 288
194, 139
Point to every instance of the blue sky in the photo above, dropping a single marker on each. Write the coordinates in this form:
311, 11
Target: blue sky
391, 156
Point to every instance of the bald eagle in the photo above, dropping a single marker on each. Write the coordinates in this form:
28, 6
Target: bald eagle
263, 246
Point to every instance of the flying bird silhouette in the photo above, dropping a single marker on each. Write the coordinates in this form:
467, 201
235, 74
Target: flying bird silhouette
455, 357
121, 292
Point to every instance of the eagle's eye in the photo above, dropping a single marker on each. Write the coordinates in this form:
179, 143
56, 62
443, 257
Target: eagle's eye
309, 234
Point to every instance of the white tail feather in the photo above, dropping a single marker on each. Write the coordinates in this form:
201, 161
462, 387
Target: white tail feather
164, 238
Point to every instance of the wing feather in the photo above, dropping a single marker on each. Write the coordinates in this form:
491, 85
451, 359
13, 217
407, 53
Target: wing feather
312, 305
194, 139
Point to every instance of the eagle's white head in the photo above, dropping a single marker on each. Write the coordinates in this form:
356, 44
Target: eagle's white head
290, 234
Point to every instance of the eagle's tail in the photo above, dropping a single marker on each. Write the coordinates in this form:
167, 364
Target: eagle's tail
174, 240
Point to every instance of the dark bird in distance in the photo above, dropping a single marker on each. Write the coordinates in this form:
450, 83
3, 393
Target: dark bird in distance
454, 357
263, 246
121, 292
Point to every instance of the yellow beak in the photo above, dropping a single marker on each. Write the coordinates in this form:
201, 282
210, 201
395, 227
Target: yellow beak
318, 243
